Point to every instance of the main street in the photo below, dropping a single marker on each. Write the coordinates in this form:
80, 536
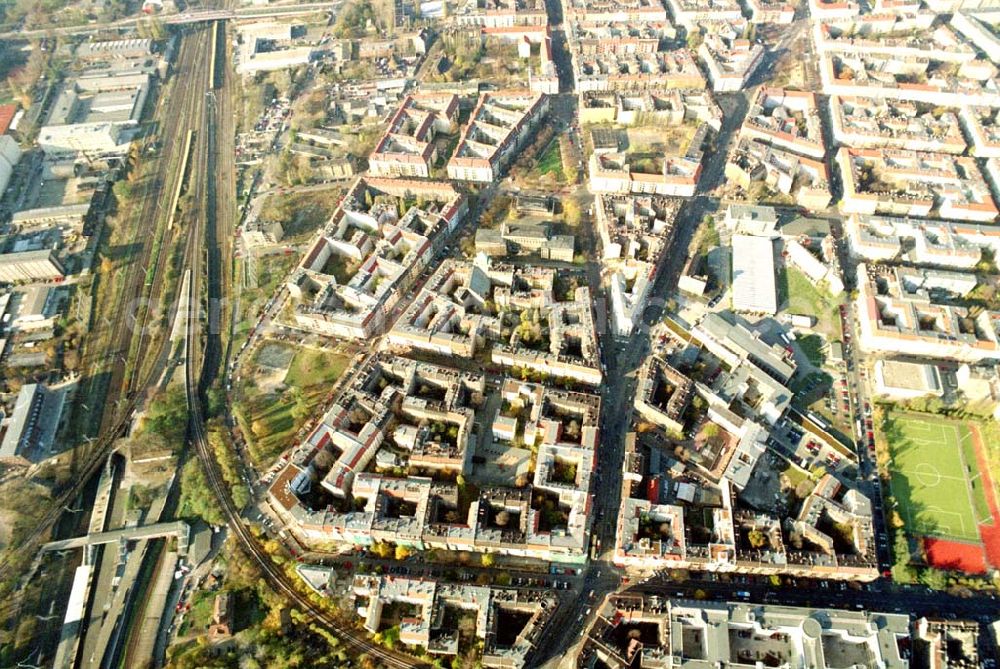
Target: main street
877, 596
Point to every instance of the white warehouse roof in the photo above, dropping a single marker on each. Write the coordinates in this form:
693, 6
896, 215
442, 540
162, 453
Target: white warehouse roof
753, 275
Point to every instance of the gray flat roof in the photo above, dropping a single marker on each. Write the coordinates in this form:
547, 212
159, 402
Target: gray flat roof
20, 420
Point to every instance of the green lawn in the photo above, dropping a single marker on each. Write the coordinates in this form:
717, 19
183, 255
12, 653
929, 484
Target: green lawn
976, 481
551, 160
270, 420
805, 298
931, 479
311, 367
796, 475
200, 615
271, 271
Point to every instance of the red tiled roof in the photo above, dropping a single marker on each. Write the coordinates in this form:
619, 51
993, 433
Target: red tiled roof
7, 113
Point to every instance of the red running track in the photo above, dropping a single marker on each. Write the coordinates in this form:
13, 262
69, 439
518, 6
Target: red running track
971, 558
990, 532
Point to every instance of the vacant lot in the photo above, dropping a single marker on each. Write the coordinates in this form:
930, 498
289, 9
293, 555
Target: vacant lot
798, 295
271, 413
301, 212
670, 140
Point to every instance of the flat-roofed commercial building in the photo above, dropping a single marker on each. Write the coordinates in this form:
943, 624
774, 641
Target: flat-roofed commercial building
30, 266
906, 380
754, 288
32, 426
733, 342
95, 115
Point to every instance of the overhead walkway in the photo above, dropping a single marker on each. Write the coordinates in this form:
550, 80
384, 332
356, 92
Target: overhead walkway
177, 528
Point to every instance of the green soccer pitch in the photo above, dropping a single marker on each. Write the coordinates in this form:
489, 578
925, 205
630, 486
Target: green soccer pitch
934, 476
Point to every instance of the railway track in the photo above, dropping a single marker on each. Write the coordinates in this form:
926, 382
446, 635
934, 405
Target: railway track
126, 392
115, 424
227, 206
201, 365
275, 577
130, 325
193, 110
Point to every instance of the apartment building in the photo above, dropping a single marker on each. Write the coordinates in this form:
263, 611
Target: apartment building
369, 253
339, 483
831, 10
937, 243
463, 307
803, 179
925, 78
729, 59
500, 13
616, 11
508, 621
670, 175
667, 107
590, 37
941, 44
499, 126
407, 148
981, 127
785, 119
692, 13
779, 12
895, 318
976, 24
913, 183
663, 394
636, 233
892, 22
873, 123
534, 45
622, 70
688, 634
653, 534
980, 384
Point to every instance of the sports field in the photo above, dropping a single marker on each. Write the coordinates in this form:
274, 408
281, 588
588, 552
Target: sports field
935, 477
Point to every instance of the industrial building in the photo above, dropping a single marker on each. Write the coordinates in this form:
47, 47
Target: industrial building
95, 115
41, 265
10, 155
32, 425
754, 289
